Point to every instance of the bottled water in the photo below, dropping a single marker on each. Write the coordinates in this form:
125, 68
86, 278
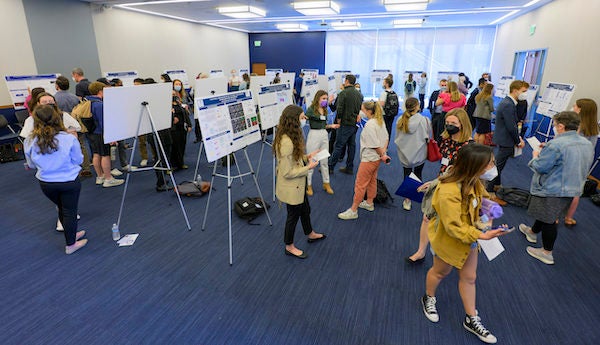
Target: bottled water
116, 235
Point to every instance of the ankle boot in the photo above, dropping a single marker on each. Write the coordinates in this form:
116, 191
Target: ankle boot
327, 188
309, 190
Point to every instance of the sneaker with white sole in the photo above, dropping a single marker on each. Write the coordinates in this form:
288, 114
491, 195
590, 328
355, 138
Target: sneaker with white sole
112, 182
541, 255
99, 180
365, 205
473, 324
348, 214
126, 168
429, 309
530, 235
406, 204
75, 246
59, 226
143, 162
116, 172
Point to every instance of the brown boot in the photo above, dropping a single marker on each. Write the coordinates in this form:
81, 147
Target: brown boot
309, 190
327, 188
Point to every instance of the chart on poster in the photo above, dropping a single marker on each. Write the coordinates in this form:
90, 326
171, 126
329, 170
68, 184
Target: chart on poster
272, 100
19, 86
228, 123
126, 77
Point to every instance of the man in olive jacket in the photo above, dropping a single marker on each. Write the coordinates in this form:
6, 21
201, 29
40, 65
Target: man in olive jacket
349, 102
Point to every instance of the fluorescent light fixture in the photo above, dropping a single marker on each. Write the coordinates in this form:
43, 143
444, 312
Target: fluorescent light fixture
532, 2
161, 2
504, 17
292, 27
317, 8
242, 12
408, 23
405, 5
345, 25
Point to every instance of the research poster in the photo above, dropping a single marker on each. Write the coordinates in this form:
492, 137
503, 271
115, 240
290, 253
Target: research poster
309, 89
126, 77
377, 75
228, 122
340, 75
448, 75
310, 73
181, 75
214, 73
271, 72
502, 86
556, 98
242, 71
532, 95
331, 85
19, 86
272, 99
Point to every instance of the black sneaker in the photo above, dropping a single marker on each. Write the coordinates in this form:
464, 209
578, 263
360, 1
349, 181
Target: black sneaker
347, 171
473, 324
429, 309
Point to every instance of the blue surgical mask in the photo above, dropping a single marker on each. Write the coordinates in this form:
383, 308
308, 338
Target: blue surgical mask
302, 123
177, 88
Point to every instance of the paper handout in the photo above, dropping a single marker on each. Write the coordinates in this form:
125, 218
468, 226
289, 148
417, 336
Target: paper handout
127, 240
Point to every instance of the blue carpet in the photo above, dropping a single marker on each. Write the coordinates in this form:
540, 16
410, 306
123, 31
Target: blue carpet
176, 286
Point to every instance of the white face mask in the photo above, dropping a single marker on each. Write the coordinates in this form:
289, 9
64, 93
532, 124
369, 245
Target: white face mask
490, 174
302, 123
555, 129
363, 115
523, 96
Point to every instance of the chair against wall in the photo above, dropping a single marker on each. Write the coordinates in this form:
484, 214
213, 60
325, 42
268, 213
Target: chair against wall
7, 142
21, 116
11, 136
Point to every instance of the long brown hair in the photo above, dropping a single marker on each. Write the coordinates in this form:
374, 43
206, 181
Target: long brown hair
412, 107
315, 103
589, 116
47, 124
182, 93
485, 93
470, 162
289, 124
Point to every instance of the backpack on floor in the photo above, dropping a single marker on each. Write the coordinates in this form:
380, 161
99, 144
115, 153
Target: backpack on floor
383, 195
590, 188
390, 108
193, 189
514, 196
249, 208
8, 154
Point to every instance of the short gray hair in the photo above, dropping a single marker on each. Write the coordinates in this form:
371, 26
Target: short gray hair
77, 71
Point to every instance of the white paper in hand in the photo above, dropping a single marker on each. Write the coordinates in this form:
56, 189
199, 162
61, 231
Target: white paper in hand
414, 177
321, 155
534, 143
518, 151
492, 248
127, 240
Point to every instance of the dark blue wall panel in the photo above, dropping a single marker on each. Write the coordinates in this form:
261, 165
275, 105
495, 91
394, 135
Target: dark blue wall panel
291, 51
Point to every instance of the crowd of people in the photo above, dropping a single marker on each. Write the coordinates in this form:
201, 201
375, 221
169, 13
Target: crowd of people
57, 137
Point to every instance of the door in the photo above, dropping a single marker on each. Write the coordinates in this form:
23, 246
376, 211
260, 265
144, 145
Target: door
259, 68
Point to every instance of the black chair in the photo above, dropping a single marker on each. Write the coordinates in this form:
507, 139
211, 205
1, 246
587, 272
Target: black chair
21, 116
11, 136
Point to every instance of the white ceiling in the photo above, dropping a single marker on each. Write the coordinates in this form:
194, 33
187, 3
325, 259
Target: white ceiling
370, 13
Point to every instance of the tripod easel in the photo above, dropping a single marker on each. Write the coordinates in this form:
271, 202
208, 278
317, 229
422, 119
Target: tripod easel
229, 182
145, 110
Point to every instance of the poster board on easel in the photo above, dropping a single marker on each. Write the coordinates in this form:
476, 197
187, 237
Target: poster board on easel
19, 85
502, 86
555, 98
228, 123
272, 99
127, 77
210, 86
309, 89
181, 75
122, 109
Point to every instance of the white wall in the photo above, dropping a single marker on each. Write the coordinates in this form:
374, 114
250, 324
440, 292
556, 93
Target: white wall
150, 44
568, 29
17, 54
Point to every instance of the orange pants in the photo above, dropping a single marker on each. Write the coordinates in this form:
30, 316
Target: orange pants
366, 180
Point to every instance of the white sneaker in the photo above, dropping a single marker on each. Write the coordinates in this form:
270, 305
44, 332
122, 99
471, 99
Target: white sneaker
530, 235
116, 172
112, 182
541, 255
144, 162
428, 304
406, 204
75, 246
126, 168
99, 180
348, 214
59, 226
364, 204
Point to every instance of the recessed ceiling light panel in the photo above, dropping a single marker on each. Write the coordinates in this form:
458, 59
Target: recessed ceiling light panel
242, 12
405, 5
316, 8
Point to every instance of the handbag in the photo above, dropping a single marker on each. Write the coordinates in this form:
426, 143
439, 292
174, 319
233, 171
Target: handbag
433, 151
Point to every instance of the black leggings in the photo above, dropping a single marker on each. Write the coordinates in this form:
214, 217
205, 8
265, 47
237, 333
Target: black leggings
418, 170
65, 195
549, 233
294, 212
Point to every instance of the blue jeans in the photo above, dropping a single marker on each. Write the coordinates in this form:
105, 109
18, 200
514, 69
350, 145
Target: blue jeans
346, 135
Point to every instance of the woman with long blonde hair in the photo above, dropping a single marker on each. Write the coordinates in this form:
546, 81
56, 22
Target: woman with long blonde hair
373, 147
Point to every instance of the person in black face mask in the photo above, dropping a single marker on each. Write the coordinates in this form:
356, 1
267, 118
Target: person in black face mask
180, 126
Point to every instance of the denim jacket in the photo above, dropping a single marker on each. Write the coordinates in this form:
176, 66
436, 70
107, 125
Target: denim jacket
562, 166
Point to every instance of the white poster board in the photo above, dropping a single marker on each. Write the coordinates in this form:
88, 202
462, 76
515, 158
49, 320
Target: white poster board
556, 98
532, 95
228, 123
258, 81
216, 73
243, 70
272, 100
207, 87
181, 75
331, 85
288, 77
310, 73
271, 72
448, 75
123, 106
324, 82
377, 75
19, 85
309, 89
502, 86
126, 77
340, 75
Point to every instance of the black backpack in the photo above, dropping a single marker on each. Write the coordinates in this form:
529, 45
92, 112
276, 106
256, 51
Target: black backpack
514, 196
408, 86
590, 188
390, 108
190, 189
383, 195
249, 208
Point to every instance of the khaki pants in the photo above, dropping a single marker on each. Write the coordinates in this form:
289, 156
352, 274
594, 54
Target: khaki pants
85, 166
